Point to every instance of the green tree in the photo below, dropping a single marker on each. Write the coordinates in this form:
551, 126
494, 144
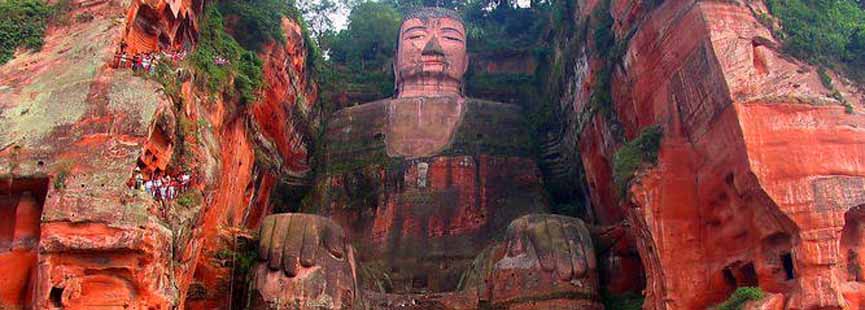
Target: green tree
824, 31
257, 21
22, 24
318, 15
370, 38
244, 72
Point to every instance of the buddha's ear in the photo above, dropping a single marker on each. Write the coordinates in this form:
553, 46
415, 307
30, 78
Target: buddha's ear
466, 62
395, 77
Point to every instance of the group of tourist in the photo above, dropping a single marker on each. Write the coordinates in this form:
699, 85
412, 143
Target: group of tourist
163, 187
220, 61
147, 62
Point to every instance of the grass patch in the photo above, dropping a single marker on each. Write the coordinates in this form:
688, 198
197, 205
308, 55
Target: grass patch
825, 78
23, 25
834, 92
741, 296
60, 179
631, 156
190, 199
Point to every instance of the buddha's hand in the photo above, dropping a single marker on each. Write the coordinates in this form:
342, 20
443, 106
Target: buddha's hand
293, 241
306, 264
561, 244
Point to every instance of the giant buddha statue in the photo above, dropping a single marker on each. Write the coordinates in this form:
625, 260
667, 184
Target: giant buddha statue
428, 200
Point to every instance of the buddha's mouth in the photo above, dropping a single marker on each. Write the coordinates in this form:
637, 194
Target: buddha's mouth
433, 60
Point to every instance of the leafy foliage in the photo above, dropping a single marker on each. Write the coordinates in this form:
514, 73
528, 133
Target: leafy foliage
370, 39
190, 199
629, 158
256, 21
244, 72
612, 52
828, 32
60, 179
23, 25
451, 4
319, 15
742, 295
504, 29
361, 55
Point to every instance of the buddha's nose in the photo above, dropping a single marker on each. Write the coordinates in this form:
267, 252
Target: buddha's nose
433, 48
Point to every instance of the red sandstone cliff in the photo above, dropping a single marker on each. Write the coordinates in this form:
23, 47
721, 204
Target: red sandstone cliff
759, 180
760, 171
74, 128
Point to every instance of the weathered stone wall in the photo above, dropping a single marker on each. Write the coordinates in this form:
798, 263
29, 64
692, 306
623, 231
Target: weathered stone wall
80, 127
753, 146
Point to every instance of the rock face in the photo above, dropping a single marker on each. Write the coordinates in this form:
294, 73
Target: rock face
73, 234
759, 171
72, 131
20, 234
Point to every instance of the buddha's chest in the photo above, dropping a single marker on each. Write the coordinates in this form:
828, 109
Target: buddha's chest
421, 127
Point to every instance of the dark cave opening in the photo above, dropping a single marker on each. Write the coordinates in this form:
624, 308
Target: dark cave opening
787, 262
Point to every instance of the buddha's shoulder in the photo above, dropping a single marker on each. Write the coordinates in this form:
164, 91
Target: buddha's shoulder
370, 109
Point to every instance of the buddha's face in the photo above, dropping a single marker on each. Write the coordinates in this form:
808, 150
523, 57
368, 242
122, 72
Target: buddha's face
432, 52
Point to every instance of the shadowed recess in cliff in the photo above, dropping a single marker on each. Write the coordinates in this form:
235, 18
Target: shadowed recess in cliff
21, 203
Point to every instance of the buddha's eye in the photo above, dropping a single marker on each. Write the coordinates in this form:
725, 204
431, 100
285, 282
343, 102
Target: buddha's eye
415, 36
452, 38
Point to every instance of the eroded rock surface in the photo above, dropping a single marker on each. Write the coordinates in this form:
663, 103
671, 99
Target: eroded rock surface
754, 158
72, 129
427, 196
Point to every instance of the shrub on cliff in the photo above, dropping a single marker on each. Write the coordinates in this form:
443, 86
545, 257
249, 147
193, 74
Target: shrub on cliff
22, 25
629, 158
244, 72
741, 296
256, 21
829, 32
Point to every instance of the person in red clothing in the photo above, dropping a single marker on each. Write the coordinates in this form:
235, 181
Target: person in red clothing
138, 62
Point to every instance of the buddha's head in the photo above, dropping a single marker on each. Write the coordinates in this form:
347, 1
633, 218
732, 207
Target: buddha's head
431, 56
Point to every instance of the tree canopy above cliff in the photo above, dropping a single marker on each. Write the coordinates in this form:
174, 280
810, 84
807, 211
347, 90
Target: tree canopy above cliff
826, 32
22, 25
